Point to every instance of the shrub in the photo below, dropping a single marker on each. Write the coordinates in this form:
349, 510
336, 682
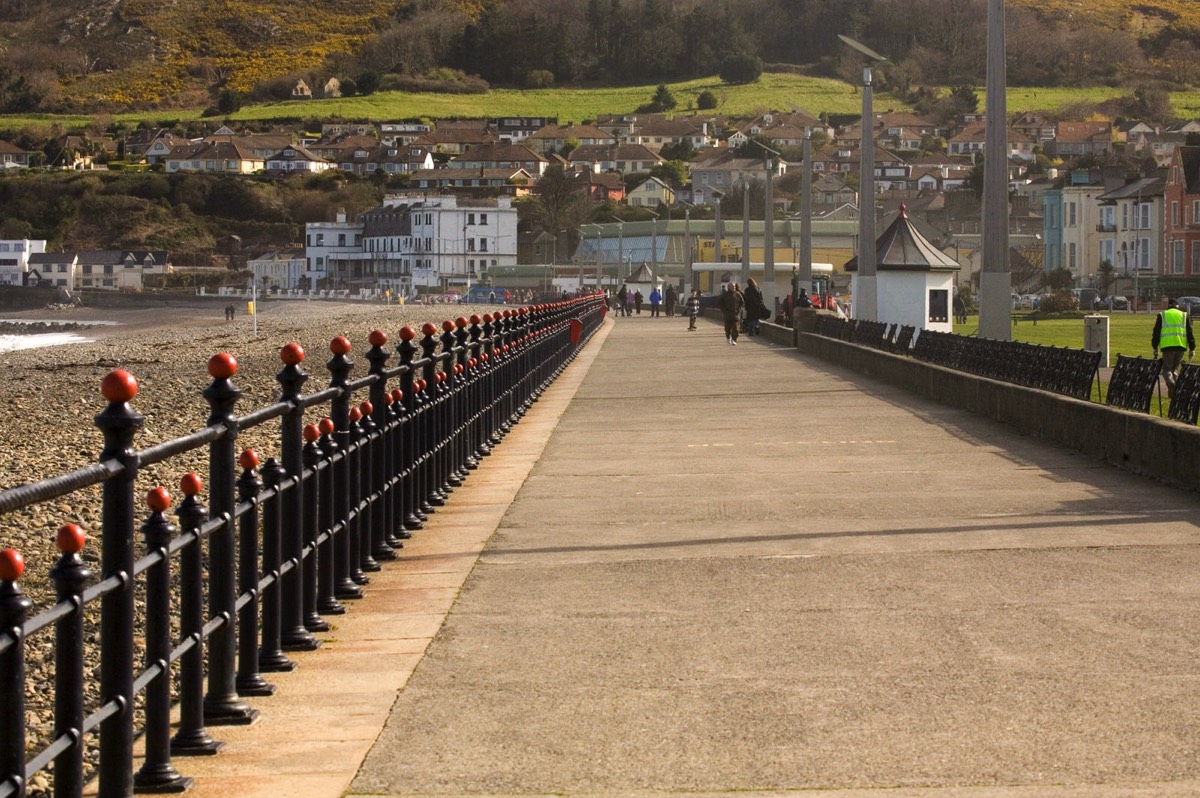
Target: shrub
1058, 302
539, 79
743, 68
706, 101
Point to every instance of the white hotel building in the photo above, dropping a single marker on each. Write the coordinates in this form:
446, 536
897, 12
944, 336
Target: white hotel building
410, 244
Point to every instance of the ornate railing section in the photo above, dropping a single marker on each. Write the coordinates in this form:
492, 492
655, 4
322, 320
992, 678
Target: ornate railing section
285, 541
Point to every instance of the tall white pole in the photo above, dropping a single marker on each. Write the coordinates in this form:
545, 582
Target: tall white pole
768, 286
745, 274
866, 299
995, 280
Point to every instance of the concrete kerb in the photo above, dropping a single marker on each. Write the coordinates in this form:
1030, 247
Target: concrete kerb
315, 731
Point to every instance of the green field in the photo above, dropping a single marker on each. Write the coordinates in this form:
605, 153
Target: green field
772, 91
1128, 333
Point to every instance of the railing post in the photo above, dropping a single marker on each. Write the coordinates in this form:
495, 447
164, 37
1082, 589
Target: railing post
432, 497
366, 490
157, 774
396, 467
192, 738
313, 621
270, 655
451, 478
248, 680
354, 520
222, 706
339, 410
295, 637
14, 609
327, 603
466, 455
119, 423
382, 522
413, 517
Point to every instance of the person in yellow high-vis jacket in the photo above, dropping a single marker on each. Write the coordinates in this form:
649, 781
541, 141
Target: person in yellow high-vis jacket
1172, 335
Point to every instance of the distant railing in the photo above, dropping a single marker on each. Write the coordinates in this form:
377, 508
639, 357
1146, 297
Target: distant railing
284, 542
1051, 368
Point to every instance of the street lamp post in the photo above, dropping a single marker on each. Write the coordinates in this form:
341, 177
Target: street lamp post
805, 265
866, 298
768, 286
995, 287
718, 194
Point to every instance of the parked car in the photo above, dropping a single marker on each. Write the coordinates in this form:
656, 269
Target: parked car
1190, 305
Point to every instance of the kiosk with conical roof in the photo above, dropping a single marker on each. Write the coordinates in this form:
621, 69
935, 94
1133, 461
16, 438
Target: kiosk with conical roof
915, 279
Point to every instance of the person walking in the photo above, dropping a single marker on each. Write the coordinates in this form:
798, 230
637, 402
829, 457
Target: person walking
756, 308
622, 300
637, 302
655, 301
732, 304
693, 308
669, 299
1172, 335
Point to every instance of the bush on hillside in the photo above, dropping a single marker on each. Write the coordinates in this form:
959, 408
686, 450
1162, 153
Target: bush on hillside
741, 68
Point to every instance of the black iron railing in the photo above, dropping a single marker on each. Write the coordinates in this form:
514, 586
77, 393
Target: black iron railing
280, 544
1051, 368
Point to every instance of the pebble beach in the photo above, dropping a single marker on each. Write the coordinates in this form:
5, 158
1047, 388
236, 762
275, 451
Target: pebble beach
51, 393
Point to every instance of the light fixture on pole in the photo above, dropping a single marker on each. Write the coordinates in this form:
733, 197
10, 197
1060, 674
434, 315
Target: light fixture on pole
866, 298
619, 277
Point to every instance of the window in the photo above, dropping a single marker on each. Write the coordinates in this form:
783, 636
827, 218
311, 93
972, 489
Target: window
1071, 256
470, 245
320, 239
1143, 254
1195, 257
470, 218
1175, 214
1124, 217
341, 239
483, 245
483, 218
1108, 250
1071, 214
1142, 213
1177, 257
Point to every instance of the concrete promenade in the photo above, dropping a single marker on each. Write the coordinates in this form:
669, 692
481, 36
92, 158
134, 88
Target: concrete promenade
740, 571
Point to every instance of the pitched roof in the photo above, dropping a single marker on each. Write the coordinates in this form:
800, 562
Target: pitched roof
903, 248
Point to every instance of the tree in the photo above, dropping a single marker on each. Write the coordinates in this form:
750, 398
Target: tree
1105, 275
1059, 279
368, 82
673, 173
706, 100
742, 68
228, 102
663, 99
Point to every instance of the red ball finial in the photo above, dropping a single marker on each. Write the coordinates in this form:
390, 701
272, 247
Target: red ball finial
355, 414
407, 333
311, 433
158, 500
119, 386
424, 383
248, 459
377, 338
487, 318
222, 366
367, 408
191, 484
326, 425
397, 395
69, 539
12, 565
448, 326
429, 328
476, 319
461, 322
340, 345
292, 354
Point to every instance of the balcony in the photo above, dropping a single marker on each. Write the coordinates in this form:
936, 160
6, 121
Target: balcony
1106, 227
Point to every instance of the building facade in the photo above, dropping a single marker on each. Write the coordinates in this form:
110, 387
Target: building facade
414, 244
